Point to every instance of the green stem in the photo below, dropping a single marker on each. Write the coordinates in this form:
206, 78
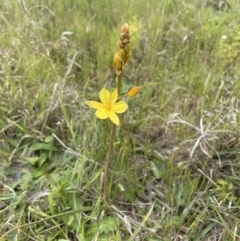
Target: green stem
110, 147
109, 156
119, 83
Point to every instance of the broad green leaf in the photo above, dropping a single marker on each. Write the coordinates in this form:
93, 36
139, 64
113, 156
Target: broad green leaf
155, 170
43, 146
49, 138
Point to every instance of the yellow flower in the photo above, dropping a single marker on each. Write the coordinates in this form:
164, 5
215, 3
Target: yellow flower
133, 91
109, 106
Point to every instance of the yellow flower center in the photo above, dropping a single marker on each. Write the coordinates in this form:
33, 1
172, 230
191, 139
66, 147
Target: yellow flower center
108, 105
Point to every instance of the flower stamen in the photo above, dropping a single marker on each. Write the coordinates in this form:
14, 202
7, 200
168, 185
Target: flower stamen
108, 105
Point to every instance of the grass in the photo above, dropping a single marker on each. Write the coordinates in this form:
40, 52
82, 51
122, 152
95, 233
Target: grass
175, 169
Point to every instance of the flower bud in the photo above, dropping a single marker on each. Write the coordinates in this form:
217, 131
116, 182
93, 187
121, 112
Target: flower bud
125, 28
127, 48
124, 56
117, 62
121, 54
133, 91
127, 57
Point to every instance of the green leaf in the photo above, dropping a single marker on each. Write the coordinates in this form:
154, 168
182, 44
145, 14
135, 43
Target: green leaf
121, 187
155, 170
41, 170
37, 160
176, 221
105, 226
43, 146
49, 138
109, 224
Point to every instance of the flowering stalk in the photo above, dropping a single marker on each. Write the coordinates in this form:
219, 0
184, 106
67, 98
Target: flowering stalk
121, 57
111, 103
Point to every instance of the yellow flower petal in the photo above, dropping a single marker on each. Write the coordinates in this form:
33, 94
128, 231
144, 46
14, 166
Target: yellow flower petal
104, 96
114, 96
120, 107
102, 113
95, 104
114, 118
